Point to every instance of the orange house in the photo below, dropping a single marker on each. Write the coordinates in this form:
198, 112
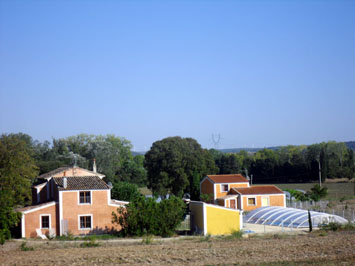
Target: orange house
70, 200
233, 191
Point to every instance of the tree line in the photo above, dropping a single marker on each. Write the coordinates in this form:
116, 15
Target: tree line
291, 164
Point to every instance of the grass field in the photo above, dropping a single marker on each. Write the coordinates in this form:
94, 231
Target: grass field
336, 191
328, 248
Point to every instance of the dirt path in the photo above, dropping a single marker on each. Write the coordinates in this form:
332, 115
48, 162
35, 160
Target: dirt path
332, 249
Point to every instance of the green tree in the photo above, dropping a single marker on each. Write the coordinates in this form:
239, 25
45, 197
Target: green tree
176, 165
317, 192
8, 217
113, 156
145, 216
17, 171
17, 168
125, 191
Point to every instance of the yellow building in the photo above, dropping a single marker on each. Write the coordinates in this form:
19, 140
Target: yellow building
213, 219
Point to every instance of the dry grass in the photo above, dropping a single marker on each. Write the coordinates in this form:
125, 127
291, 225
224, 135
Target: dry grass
335, 248
336, 191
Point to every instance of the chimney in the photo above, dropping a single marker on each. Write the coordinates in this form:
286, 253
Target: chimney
94, 166
65, 182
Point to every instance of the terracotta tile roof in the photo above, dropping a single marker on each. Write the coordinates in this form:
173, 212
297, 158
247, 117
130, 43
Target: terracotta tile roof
54, 172
34, 206
65, 168
255, 190
234, 178
81, 183
228, 197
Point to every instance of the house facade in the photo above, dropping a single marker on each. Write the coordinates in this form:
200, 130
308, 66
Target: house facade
69, 200
234, 191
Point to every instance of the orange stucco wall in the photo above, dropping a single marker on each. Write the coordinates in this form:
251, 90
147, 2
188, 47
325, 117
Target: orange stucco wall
274, 200
207, 187
99, 209
32, 221
220, 194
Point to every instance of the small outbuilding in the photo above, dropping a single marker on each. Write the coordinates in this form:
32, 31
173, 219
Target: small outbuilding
210, 219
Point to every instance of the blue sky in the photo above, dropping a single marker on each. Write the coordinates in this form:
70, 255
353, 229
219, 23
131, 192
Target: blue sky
259, 73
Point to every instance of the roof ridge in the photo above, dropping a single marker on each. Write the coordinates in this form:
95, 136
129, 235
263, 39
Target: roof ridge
77, 176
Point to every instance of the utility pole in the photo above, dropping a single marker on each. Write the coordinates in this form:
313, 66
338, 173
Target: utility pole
319, 172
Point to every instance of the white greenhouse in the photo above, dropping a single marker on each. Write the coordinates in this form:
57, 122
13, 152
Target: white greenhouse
290, 217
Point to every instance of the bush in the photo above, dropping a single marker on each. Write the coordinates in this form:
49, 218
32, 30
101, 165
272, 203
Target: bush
349, 226
237, 234
206, 197
331, 226
68, 237
206, 238
24, 247
89, 244
147, 240
144, 216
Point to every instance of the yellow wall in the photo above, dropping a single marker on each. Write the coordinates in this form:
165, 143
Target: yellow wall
222, 221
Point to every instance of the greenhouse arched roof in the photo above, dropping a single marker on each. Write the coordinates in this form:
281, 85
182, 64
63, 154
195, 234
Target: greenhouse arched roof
290, 217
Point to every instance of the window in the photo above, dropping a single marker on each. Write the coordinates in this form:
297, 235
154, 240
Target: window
85, 197
45, 222
265, 201
85, 222
251, 201
224, 187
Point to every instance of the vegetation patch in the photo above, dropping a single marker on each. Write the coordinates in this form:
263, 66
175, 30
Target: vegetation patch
89, 244
148, 240
236, 235
206, 238
24, 247
338, 227
145, 216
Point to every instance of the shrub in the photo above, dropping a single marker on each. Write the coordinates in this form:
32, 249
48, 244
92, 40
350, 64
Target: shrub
89, 244
24, 247
237, 234
206, 197
147, 240
144, 216
206, 238
349, 226
69, 237
331, 226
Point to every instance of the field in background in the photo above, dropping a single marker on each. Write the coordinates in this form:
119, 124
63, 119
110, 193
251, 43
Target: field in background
336, 191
